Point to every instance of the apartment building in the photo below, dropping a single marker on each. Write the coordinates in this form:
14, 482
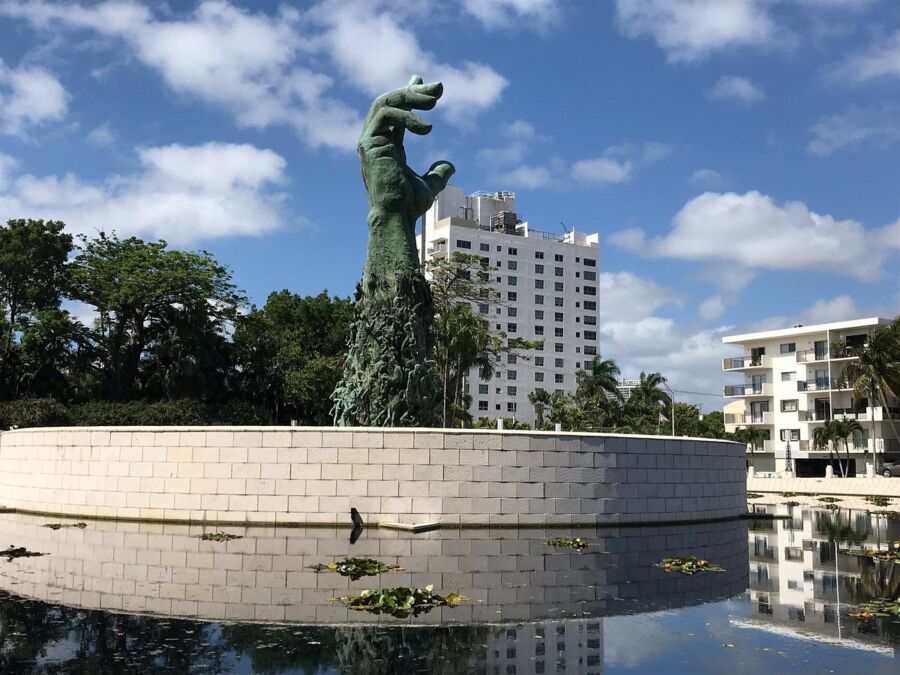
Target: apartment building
548, 293
791, 381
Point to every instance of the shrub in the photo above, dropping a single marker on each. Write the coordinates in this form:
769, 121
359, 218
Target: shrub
140, 413
33, 412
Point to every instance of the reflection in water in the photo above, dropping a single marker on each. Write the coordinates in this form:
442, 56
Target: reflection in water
124, 598
803, 580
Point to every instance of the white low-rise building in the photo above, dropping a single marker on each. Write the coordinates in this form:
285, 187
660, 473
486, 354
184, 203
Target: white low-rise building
549, 292
792, 380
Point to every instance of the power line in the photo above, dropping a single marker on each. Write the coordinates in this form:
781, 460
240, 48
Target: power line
696, 393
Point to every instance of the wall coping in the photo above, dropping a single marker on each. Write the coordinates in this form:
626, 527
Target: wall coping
399, 430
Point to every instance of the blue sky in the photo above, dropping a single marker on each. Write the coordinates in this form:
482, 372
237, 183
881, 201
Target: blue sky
738, 157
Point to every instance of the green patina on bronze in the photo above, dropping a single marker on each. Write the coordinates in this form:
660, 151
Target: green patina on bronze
388, 377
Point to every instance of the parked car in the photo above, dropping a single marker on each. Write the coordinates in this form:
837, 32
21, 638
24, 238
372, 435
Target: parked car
889, 469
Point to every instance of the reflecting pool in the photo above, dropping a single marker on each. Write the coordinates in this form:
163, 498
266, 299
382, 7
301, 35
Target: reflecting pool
124, 597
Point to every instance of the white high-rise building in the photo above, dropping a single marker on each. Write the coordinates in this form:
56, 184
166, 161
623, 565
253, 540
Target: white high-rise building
549, 293
793, 381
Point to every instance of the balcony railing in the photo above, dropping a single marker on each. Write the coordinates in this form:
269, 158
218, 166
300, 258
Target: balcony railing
835, 352
749, 418
763, 389
736, 363
823, 384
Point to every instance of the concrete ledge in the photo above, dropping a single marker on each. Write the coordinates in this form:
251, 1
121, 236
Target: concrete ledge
858, 487
314, 475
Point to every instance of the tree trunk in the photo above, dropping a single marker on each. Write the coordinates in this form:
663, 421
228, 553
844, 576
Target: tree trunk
847, 452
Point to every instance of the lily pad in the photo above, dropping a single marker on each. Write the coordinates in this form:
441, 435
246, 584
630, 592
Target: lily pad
892, 552
688, 565
883, 607
218, 536
19, 552
357, 568
754, 495
59, 526
792, 504
878, 500
830, 500
576, 543
400, 602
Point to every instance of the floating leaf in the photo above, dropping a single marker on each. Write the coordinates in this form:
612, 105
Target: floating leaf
400, 602
19, 552
878, 500
577, 543
688, 565
57, 526
754, 495
830, 500
893, 552
357, 568
218, 536
883, 607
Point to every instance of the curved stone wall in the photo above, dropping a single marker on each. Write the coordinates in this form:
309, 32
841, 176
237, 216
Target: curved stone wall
315, 475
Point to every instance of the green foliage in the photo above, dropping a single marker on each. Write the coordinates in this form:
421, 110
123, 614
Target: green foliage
576, 543
14, 552
891, 554
33, 412
689, 565
357, 568
509, 424
754, 495
218, 536
59, 526
884, 607
400, 602
878, 500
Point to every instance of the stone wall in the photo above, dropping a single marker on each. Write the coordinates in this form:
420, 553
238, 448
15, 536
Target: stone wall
315, 475
877, 485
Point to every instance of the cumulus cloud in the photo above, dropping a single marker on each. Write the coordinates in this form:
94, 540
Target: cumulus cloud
855, 127
628, 297
751, 231
880, 60
268, 69
711, 308
708, 178
531, 177
102, 135
840, 308
690, 30
181, 193
503, 13
30, 96
619, 162
735, 88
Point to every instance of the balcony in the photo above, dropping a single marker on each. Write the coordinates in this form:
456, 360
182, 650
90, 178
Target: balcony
823, 384
746, 362
877, 414
748, 389
811, 355
749, 418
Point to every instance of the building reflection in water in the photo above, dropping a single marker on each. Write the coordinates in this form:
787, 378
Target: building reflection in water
804, 582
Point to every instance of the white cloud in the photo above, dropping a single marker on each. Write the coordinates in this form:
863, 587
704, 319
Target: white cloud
879, 60
181, 193
629, 298
29, 97
875, 127
503, 13
840, 308
378, 54
735, 88
709, 178
753, 232
689, 30
711, 308
531, 177
102, 135
602, 171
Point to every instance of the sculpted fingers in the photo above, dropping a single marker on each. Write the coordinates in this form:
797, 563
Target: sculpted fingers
438, 175
390, 118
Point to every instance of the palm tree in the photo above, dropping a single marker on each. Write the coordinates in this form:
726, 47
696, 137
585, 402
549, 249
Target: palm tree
843, 429
751, 437
649, 399
540, 399
875, 373
598, 391
822, 439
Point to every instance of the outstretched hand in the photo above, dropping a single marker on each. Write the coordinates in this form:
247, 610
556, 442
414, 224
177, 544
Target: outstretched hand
391, 185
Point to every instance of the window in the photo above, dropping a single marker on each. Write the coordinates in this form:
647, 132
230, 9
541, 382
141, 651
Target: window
558, 271
511, 296
559, 378
540, 346
538, 330
512, 251
794, 434
512, 375
590, 276
558, 316
538, 376
590, 335
590, 262
558, 363
512, 311
510, 391
539, 299
558, 257
590, 320
482, 308
484, 247
538, 255
589, 290
511, 407
789, 376
512, 281
590, 305
558, 332
539, 283
511, 358
511, 328
538, 269
590, 350
789, 405
512, 265
483, 405
558, 347
539, 361
539, 314
558, 302
788, 348
499, 248
463, 243
558, 286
